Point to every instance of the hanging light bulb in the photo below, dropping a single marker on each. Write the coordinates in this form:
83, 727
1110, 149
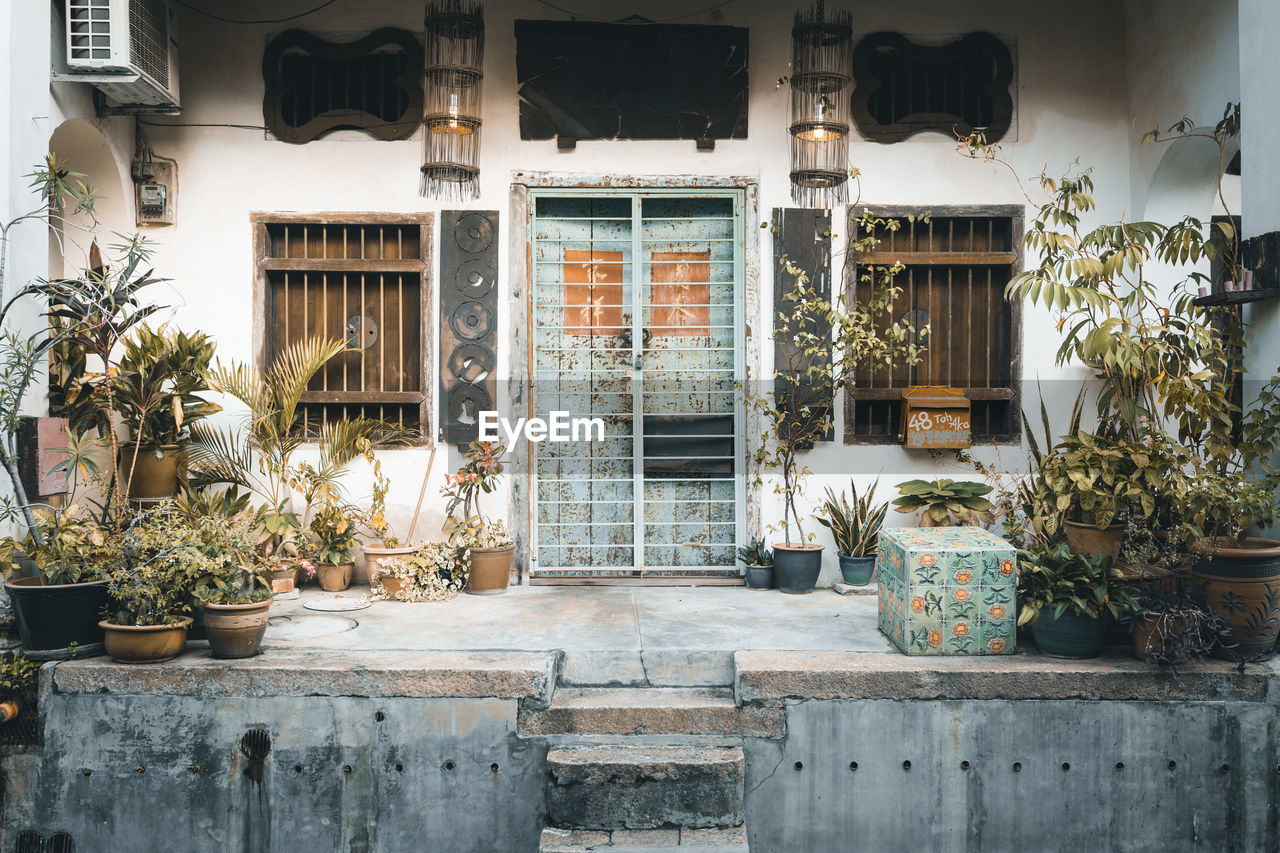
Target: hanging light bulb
453, 111
820, 117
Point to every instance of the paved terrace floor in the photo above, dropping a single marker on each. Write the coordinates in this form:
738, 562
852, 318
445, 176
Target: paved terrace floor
682, 636
763, 644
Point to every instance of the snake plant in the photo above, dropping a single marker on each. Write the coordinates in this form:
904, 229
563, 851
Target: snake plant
855, 526
756, 553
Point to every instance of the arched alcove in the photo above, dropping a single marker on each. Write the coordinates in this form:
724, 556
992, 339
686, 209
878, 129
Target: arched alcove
82, 148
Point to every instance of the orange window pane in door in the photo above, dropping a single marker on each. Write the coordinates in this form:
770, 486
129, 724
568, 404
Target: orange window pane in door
592, 292
681, 293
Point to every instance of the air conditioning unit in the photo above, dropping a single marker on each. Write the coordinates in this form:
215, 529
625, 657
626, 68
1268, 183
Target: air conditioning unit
126, 48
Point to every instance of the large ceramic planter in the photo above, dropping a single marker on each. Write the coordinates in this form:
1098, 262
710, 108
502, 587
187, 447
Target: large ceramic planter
759, 577
1242, 585
367, 566
490, 570
1070, 635
58, 621
1088, 539
334, 577
857, 571
796, 567
236, 630
145, 643
152, 477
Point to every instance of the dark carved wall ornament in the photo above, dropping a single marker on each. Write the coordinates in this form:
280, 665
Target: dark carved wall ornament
314, 87
469, 320
902, 88
584, 80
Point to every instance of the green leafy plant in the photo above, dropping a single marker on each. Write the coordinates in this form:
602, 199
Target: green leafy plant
20, 678
1101, 481
946, 503
159, 381
480, 473
857, 327
855, 526
436, 571
67, 546
1059, 581
260, 456
755, 553
334, 529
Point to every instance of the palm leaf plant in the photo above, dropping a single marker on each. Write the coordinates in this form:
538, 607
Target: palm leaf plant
946, 503
855, 525
259, 456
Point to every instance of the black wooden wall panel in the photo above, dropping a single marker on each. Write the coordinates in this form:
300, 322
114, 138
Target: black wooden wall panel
803, 237
468, 320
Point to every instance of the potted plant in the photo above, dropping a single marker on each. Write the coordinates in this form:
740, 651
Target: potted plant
488, 547
1171, 628
260, 456
1069, 599
435, 571
856, 530
234, 594
150, 590
819, 343
57, 610
158, 382
946, 503
335, 539
757, 562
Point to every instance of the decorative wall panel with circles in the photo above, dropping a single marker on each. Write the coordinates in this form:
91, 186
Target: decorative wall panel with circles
469, 320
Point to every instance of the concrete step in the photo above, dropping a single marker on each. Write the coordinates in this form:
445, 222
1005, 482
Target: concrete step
645, 787
645, 840
650, 711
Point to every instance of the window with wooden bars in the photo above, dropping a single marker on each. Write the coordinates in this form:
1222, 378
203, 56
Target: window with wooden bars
956, 267
361, 278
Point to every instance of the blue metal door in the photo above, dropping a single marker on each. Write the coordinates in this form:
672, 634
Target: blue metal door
636, 320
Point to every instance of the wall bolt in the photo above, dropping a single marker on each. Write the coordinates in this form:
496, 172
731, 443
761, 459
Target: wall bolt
346, 768
139, 769
193, 768
906, 765
1017, 767
89, 772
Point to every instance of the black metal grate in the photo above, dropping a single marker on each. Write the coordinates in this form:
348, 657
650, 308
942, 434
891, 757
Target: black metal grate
955, 270
256, 744
149, 39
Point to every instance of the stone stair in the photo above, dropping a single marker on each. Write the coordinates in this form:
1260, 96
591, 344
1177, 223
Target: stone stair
646, 769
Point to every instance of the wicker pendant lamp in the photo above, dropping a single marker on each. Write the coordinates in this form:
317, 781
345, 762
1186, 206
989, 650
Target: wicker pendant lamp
454, 53
821, 72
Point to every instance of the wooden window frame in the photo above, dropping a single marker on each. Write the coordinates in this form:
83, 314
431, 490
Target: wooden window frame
1014, 258
264, 265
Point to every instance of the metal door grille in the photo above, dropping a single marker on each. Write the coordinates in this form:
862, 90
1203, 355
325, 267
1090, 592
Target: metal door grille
636, 307
360, 283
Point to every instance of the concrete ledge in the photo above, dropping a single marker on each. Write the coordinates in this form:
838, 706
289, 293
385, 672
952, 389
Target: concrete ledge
770, 675
651, 711
501, 675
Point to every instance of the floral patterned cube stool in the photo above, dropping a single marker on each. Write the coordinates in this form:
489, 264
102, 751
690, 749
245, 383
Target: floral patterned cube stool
947, 590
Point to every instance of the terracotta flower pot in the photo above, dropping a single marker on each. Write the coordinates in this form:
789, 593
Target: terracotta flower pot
796, 567
1088, 539
1242, 585
283, 580
335, 577
145, 643
236, 630
152, 477
367, 567
1147, 636
391, 584
490, 570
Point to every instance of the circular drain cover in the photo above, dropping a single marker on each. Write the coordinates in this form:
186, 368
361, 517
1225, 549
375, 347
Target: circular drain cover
307, 627
337, 604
